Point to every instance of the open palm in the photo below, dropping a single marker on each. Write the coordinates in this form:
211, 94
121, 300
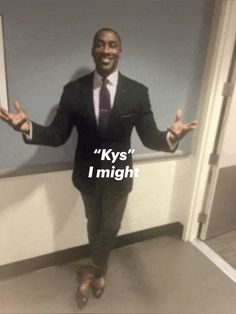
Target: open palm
17, 120
179, 129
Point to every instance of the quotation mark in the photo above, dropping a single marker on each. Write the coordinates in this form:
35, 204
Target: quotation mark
131, 151
97, 151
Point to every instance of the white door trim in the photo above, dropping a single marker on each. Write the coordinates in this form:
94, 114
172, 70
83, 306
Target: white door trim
3, 84
217, 66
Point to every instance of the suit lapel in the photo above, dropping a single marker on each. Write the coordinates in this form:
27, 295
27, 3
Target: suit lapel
120, 96
88, 99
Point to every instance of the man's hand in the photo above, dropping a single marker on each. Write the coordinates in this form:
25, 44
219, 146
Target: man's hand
179, 129
18, 121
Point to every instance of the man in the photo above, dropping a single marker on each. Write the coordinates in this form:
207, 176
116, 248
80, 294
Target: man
104, 106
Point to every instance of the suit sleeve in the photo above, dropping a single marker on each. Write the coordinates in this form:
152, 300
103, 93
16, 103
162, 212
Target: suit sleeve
147, 130
59, 130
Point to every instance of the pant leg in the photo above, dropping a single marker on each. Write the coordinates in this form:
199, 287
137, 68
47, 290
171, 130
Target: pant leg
93, 213
112, 212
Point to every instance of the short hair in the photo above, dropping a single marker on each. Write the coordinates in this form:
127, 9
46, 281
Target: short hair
106, 29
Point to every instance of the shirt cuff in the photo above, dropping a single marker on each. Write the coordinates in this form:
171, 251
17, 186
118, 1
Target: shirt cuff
171, 145
29, 135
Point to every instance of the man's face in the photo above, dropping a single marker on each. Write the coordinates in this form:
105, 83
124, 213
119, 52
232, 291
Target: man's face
106, 51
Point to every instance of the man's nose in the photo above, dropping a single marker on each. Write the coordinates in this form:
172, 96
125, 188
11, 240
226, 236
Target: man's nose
106, 49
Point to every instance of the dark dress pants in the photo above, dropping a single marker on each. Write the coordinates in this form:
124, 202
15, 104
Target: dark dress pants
104, 211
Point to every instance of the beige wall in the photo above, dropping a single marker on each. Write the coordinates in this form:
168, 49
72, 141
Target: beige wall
43, 213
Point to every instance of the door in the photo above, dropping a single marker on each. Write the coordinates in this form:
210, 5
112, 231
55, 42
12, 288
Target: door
219, 209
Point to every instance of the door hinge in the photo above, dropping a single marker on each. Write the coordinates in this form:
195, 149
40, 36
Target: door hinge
202, 218
213, 159
228, 89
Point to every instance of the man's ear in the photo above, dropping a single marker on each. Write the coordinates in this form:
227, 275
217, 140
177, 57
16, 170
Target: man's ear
120, 52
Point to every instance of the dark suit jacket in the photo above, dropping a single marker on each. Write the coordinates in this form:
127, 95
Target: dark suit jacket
131, 109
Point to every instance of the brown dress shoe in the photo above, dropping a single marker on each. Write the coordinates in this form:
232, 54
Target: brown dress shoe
84, 288
99, 284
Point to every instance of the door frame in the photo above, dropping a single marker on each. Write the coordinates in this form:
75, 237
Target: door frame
214, 173
218, 60
3, 81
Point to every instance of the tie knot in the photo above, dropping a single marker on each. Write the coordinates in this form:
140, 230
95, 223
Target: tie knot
105, 81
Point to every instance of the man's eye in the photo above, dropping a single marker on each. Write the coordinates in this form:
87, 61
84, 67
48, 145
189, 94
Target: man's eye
113, 45
98, 45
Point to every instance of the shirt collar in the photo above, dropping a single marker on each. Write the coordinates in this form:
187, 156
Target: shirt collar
112, 79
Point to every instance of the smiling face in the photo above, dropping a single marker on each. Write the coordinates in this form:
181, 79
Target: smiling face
106, 51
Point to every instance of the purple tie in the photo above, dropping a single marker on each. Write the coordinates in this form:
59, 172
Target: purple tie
104, 105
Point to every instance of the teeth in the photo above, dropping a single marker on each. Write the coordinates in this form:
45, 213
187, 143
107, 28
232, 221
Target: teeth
105, 60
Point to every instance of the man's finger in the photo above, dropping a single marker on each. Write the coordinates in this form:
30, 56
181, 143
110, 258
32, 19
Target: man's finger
178, 115
3, 110
4, 113
193, 124
17, 106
